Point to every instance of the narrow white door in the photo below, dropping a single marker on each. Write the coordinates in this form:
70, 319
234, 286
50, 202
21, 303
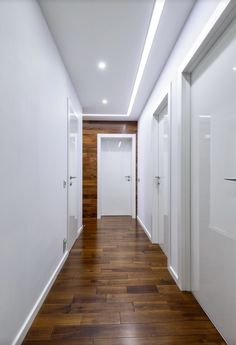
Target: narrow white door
116, 176
213, 186
72, 179
162, 177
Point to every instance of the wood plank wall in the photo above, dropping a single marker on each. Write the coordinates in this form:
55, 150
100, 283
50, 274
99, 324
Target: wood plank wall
90, 131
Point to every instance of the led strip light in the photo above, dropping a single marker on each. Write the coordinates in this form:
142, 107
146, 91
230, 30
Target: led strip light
155, 19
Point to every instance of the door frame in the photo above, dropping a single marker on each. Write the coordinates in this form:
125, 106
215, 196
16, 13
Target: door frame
133, 180
221, 18
70, 111
164, 101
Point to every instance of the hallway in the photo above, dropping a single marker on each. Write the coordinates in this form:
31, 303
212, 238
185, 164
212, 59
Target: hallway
115, 289
112, 109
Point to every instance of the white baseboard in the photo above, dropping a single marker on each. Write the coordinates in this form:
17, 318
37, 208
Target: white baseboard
29, 320
79, 231
144, 228
170, 268
174, 276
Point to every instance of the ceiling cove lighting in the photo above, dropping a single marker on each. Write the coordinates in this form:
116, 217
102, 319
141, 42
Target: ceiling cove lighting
155, 19
154, 22
102, 65
104, 101
104, 115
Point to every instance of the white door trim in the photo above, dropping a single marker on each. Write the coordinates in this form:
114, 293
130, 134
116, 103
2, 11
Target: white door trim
218, 22
133, 180
70, 111
164, 101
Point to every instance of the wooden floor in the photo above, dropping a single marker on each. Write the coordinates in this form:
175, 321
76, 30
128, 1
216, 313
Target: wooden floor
115, 290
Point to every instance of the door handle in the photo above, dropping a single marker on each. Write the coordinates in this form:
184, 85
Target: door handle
230, 179
128, 177
158, 179
72, 178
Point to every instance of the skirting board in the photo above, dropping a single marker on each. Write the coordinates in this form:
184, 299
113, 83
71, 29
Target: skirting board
170, 268
144, 228
79, 231
29, 320
174, 275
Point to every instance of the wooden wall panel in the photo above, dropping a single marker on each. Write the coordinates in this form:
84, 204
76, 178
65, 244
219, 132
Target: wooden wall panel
90, 131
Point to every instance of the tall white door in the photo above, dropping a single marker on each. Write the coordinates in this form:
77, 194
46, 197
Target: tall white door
72, 179
162, 179
116, 176
213, 186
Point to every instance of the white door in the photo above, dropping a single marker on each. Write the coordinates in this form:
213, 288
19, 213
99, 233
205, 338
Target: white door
161, 179
72, 179
116, 176
213, 186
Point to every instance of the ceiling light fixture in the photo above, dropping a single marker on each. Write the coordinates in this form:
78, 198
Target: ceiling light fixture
234, 68
156, 15
102, 65
104, 101
154, 22
103, 115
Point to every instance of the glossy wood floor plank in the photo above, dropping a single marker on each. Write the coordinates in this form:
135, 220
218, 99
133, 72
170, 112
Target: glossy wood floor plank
115, 289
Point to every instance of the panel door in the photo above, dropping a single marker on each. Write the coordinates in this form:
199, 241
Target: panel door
213, 184
116, 176
163, 179
161, 194
72, 179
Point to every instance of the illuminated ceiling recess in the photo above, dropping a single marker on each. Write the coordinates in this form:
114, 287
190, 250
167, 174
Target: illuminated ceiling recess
155, 19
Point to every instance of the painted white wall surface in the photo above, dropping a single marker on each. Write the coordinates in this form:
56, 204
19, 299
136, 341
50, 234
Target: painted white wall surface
34, 87
213, 188
194, 25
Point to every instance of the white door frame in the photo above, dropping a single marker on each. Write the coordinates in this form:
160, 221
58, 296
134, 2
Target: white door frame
218, 22
164, 101
133, 180
70, 111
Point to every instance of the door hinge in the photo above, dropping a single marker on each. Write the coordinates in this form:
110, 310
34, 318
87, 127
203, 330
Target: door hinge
64, 245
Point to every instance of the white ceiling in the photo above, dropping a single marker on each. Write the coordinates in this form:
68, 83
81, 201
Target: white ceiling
114, 31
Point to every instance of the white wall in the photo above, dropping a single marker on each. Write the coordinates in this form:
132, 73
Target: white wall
196, 21
34, 87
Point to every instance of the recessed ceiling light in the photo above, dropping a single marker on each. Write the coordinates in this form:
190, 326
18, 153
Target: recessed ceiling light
102, 65
155, 19
104, 101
